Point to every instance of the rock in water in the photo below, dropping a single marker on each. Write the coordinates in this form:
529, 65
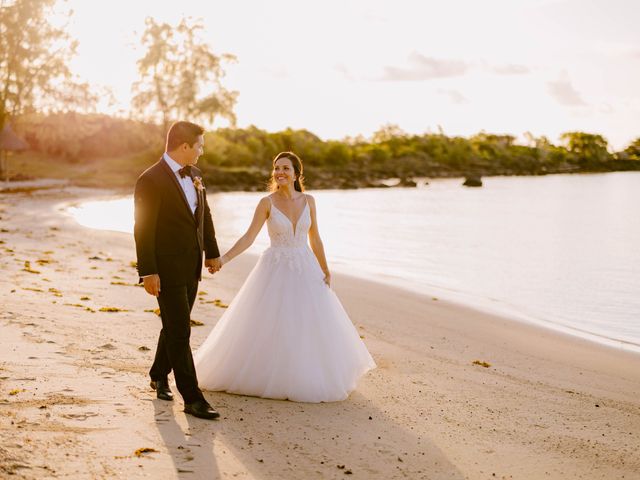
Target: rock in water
472, 181
407, 182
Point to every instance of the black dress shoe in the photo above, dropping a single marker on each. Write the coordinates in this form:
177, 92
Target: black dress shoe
162, 389
201, 409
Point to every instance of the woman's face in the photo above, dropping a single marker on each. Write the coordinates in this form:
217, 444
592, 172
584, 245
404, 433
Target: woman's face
283, 172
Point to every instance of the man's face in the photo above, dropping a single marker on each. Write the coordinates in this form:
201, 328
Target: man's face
195, 151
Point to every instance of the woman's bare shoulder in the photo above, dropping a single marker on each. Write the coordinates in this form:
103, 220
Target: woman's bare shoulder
265, 201
264, 204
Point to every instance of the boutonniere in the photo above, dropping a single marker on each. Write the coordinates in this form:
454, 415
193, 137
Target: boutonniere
197, 182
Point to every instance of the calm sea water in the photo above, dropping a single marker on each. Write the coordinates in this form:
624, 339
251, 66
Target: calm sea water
563, 250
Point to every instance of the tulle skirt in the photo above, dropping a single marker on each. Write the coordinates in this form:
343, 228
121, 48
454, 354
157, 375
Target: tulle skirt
284, 336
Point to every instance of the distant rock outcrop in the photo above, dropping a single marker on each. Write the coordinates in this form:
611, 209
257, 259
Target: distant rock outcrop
407, 182
472, 181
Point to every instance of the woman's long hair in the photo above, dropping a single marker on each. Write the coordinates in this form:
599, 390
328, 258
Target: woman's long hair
298, 184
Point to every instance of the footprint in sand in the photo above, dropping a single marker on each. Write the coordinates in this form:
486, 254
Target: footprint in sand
79, 416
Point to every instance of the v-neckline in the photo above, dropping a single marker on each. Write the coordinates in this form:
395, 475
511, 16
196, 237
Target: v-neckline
293, 225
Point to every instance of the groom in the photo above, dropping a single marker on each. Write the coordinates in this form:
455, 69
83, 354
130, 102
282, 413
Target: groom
173, 227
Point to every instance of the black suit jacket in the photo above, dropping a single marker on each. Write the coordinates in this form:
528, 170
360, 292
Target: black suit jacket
169, 238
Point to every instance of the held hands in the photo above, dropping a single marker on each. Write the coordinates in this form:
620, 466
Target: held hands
213, 264
152, 284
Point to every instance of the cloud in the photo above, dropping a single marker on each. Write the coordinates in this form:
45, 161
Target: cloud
454, 95
563, 92
510, 69
372, 17
343, 70
606, 109
424, 68
276, 71
427, 68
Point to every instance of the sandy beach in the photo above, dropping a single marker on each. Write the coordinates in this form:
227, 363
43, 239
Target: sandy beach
458, 393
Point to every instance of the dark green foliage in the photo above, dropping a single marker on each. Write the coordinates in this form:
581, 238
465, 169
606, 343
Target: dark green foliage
632, 152
240, 159
586, 148
392, 153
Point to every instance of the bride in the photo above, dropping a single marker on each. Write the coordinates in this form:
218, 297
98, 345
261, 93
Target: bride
285, 335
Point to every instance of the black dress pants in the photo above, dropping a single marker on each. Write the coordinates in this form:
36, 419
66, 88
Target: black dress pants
173, 351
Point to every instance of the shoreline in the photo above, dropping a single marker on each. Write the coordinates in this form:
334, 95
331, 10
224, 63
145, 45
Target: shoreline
464, 299
500, 309
74, 396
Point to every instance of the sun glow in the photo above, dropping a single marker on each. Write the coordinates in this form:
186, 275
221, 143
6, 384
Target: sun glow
115, 215
340, 69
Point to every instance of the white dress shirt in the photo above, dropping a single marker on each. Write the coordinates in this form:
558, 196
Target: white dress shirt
186, 183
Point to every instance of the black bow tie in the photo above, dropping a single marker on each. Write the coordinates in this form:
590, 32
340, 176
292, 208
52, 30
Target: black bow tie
185, 171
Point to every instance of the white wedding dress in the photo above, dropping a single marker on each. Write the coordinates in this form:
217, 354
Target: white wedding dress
285, 335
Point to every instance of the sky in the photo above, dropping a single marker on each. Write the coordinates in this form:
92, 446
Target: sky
346, 68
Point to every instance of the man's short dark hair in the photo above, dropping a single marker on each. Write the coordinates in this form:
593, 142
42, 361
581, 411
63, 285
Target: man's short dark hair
183, 132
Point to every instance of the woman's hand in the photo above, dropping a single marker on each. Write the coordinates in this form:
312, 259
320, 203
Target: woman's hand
327, 278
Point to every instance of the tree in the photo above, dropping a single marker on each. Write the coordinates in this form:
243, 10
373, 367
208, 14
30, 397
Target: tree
632, 152
387, 133
180, 77
588, 147
34, 56
337, 154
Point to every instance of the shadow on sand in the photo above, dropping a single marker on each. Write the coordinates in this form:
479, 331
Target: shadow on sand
268, 439
189, 441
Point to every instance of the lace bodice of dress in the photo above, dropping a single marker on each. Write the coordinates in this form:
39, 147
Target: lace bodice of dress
281, 230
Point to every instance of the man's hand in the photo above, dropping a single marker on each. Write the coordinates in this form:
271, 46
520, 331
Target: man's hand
213, 264
152, 284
